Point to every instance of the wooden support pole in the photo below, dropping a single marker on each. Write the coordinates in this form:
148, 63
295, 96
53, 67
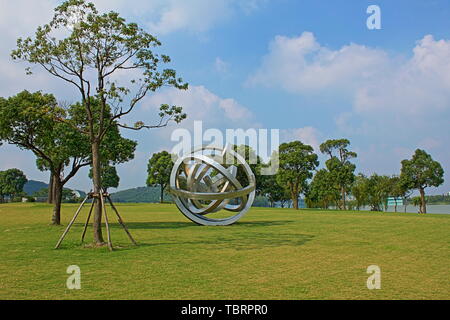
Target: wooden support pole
102, 200
87, 220
71, 222
120, 220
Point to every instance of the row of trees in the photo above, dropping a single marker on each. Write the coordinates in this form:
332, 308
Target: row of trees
332, 185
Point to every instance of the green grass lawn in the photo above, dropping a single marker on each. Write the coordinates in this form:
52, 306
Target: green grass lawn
269, 254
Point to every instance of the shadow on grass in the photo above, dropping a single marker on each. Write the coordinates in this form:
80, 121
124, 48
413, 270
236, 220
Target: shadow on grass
237, 236
187, 224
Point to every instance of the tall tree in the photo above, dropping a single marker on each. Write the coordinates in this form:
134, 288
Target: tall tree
159, 169
87, 50
420, 173
12, 182
339, 165
297, 162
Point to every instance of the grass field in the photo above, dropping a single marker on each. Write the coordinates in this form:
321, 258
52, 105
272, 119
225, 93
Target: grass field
269, 254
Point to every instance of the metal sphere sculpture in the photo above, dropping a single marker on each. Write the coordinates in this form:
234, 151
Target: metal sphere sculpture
206, 188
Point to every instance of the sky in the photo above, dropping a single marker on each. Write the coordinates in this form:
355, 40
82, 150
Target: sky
310, 68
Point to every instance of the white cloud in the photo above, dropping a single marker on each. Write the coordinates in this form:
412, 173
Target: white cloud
301, 64
307, 135
200, 104
196, 16
419, 85
374, 81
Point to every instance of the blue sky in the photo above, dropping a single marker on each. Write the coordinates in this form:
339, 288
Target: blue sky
309, 68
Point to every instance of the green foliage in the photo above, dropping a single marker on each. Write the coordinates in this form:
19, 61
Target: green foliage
421, 172
323, 192
438, 199
11, 183
93, 48
159, 169
110, 178
339, 166
272, 190
297, 162
416, 201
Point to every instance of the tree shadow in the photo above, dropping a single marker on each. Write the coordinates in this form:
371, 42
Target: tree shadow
188, 224
233, 237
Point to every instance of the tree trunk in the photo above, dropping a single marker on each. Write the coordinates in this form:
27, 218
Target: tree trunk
295, 200
97, 180
423, 205
51, 191
162, 194
343, 198
57, 200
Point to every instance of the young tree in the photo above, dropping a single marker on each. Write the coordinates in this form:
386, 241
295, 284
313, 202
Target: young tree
339, 165
323, 192
420, 173
12, 182
359, 191
159, 169
271, 189
399, 191
88, 51
297, 162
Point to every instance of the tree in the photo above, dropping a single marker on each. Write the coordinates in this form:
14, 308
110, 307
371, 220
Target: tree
359, 191
420, 173
323, 192
339, 165
159, 169
27, 120
385, 188
254, 162
399, 190
297, 161
110, 178
271, 189
11, 183
87, 50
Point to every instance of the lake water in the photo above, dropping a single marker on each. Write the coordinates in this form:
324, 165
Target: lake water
432, 208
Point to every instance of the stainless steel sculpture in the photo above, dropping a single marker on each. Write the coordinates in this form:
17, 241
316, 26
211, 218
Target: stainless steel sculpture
205, 182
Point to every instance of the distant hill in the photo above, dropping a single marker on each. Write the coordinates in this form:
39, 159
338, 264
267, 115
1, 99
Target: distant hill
140, 195
33, 186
